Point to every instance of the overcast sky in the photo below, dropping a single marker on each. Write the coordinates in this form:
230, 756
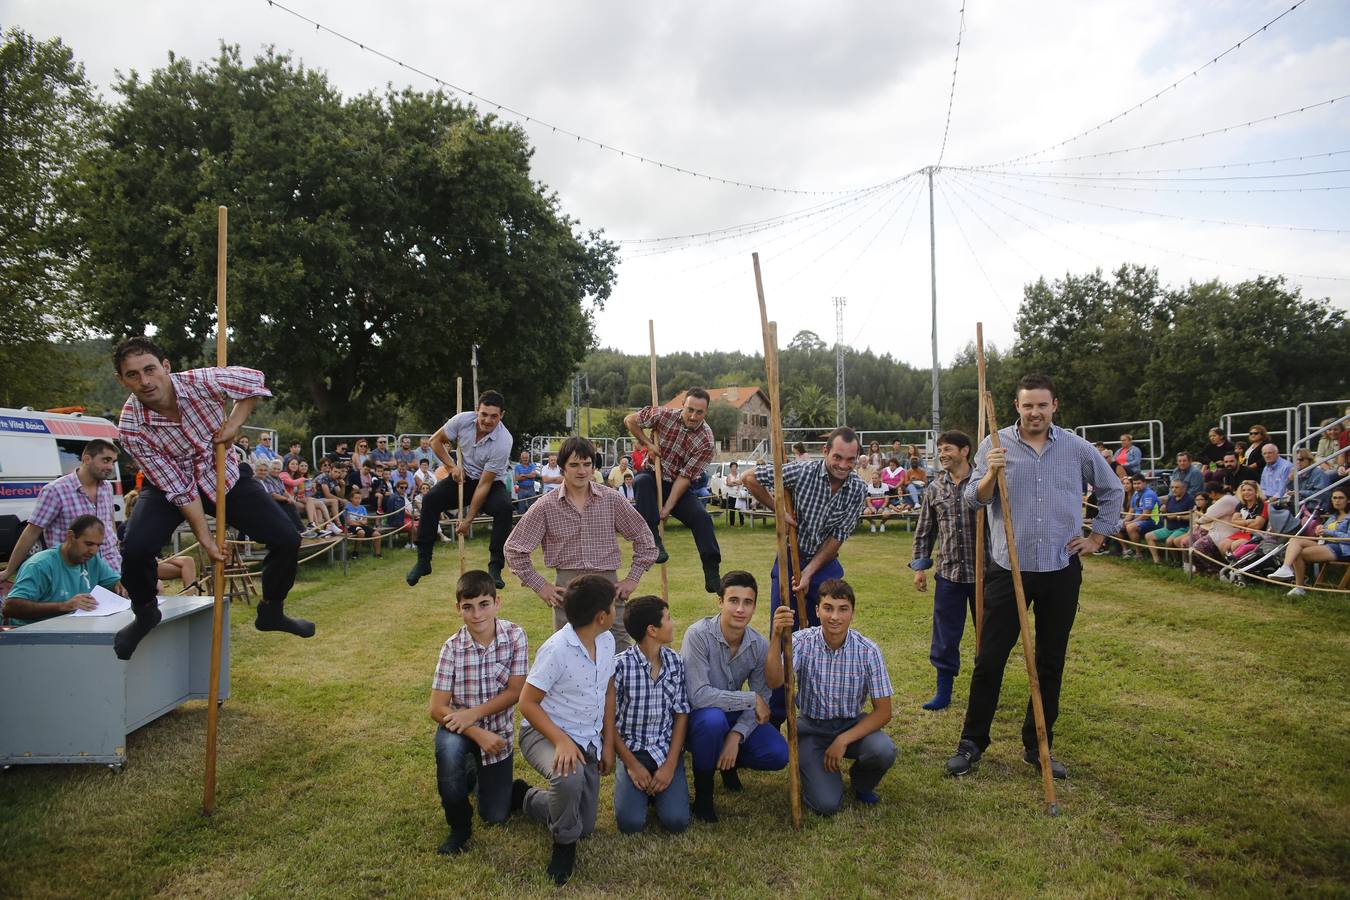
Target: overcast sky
839, 96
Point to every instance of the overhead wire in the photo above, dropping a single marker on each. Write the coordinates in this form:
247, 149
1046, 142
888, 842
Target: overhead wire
951, 97
867, 317
1090, 184
971, 249
1119, 174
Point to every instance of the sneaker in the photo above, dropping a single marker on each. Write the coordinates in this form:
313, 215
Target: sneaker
1127, 554
1297, 592
964, 759
874, 527
309, 533
1283, 573
1101, 551
1032, 757
868, 798
661, 555
1188, 568
883, 527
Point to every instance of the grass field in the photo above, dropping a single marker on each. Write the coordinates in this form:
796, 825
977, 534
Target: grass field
1204, 729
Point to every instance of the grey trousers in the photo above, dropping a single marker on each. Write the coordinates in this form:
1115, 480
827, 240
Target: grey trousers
568, 807
621, 639
823, 790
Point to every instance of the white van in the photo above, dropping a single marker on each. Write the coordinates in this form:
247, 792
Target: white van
37, 448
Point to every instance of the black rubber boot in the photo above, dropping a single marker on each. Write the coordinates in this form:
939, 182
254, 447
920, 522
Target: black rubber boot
562, 864
703, 807
661, 555
712, 574
731, 781
495, 570
272, 617
422, 567
126, 640
518, 789
459, 817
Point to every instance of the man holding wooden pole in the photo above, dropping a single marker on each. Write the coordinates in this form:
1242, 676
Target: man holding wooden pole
1046, 470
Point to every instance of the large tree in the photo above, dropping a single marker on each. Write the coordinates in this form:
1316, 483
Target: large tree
47, 112
374, 240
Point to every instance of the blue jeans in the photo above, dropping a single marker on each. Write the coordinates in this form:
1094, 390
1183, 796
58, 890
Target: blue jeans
523, 497
763, 750
915, 494
823, 790
833, 569
630, 804
950, 600
460, 769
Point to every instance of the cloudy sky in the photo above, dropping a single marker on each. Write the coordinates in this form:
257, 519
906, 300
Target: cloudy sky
837, 97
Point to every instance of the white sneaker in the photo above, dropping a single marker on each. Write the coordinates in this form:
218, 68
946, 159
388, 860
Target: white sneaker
883, 527
1297, 592
1283, 573
874, 527
1188, 568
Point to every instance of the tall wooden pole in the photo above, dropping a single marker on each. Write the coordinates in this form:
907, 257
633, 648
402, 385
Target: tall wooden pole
980, 516
459, 458
1019, 593
218, 611
782, 505
660, 493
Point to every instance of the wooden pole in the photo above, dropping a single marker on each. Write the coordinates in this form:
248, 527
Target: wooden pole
660, 493
980, 516
1019, 593
459, 458
781, 507
218, 610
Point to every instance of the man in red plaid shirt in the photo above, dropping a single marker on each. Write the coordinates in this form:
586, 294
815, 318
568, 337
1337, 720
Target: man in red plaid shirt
684, 444
171, 424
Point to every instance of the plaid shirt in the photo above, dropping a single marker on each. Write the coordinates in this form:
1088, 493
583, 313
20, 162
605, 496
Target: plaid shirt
646, 708
945, 518
683, 452
579, 539
821, 511
63, 501
832, 684
179, 457
474, 675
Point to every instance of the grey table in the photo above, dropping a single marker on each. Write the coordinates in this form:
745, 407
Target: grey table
65, 697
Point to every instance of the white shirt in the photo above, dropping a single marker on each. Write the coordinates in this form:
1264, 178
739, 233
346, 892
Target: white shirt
574, 685
551, 472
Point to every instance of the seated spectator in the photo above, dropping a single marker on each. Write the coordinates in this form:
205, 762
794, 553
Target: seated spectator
402, 472
916, 479
551, 474
876, 501
1330, 443
1176, 518
242, 450
380, 489
58, 580
526, 475
1251, 513
329, 489
357, 519
360, 455
270, 475
1277, 475
292, 454
424, 451
1312, 481
1334, 545
338, 453
893, 476
1129, 458
1202, 501
397, 512
798, 453
263, 454
381, 455
1234, 473
1254, 458
1143, 516
1218, 447
178, 568
620, 472
628, 491
873, 460
1191, 474
321, 515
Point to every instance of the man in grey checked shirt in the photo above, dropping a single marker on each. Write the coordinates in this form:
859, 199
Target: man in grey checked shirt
1048, 470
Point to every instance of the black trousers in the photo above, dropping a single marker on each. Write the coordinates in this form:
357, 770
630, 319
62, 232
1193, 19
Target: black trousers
248, 507
444, 495
1053, 598
688, 509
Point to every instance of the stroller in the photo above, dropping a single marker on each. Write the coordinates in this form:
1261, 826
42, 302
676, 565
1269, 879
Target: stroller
1265, 552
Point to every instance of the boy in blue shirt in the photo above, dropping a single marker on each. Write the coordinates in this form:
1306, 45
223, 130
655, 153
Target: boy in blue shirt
1143, 516
59, 580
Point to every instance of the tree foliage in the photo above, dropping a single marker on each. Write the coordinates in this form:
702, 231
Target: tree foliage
373, 240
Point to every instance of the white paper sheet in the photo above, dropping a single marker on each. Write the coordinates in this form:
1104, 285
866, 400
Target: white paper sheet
108, 603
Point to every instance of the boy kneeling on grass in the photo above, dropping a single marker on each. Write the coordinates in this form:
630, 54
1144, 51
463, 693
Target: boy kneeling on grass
568, 733
836, 669
653, 711
473, 694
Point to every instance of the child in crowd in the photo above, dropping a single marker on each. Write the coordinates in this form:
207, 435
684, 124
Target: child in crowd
876, 500
568, 734
478, 679
836, 669
653, 710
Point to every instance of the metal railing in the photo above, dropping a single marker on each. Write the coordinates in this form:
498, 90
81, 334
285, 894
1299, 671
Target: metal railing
1256, 417
1304, 418
319, 445
1307, 440
1156, 442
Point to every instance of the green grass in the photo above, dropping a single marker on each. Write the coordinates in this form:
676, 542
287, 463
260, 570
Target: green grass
1204, 729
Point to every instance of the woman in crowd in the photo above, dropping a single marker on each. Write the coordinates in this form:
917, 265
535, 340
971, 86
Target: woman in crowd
1259, 437
873, 460
734, 495
1218, 447
1183, 540
1334, 545
916, 479
1310, 479
1252, 514
893, 476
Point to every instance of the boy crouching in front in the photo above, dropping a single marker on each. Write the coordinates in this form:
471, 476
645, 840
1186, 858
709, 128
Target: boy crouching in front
473, 694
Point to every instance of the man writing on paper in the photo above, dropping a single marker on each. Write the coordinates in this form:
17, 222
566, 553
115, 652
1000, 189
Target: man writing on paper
58, 581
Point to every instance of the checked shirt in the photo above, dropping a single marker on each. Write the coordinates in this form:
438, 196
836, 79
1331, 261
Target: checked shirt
579, 539
832, 684
821, 512
474, 674
683, 452
647, 708
944, 520
179, 457
62, 501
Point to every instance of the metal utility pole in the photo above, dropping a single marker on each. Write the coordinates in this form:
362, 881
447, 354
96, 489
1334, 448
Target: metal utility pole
840, 402
475, 375
932, 247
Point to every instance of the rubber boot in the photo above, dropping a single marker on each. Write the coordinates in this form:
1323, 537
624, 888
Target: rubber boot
126, 640
459, 816
712, 575
661, 555
422, 567
562, 864
731, 781
495, 570
272, 617
943, 697
703, 807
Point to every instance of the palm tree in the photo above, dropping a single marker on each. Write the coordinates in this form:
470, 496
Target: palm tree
811, 406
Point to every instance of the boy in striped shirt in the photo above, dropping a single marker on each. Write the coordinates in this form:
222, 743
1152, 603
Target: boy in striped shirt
653, 712
478, 679
836, 668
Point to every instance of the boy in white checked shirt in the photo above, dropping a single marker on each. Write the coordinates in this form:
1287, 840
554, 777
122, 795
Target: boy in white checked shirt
653, 712
568, 734
836, 668
478, 680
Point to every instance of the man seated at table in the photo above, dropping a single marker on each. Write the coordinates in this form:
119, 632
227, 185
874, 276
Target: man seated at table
59, 580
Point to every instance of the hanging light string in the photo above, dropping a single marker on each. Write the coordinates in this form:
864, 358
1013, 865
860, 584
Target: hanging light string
1147, 100
1089, 184
951, 97
975, 257
1149, 174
